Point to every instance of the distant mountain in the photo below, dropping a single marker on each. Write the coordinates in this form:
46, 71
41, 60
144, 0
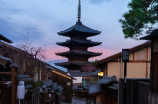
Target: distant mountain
57, 61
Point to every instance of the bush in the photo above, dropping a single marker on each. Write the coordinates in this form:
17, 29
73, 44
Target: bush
36, 84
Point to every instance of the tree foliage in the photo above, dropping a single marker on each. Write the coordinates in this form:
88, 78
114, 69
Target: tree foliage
89, 68
94, 63
141, 16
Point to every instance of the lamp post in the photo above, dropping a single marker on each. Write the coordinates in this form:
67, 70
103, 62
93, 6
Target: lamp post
125, 59
20, 91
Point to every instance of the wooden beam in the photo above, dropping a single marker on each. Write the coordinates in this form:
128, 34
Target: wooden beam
13, 85
61, 74
147, 63
5, 72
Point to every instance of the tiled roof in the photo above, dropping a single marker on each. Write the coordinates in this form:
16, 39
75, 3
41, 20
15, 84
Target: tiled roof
53, 68
25, 78
95, 73
77, 63
139, 47
58, 70
74, 74
79, 52
5, 39
107, 79
94, 89
74, 87
114, 87
85, 42
80, 28
153, 34
5, 58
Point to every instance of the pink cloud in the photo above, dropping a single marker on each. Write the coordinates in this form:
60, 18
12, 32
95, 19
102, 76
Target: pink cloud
50, 52
105, 52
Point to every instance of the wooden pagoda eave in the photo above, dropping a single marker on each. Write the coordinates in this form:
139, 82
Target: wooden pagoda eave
79, 27
81, 53
75, 63
70, 66
85, 34
74, 42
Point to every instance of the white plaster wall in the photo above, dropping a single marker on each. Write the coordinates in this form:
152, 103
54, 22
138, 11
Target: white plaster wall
78, 80
136, 70
131, 56
112, 69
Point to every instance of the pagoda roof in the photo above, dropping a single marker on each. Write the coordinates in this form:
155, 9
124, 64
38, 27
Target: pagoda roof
79, 27
72, 63
85, 42
79, 52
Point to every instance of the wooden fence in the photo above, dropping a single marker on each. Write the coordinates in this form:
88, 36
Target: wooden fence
33, 96
5, 92
143, 92
10, 74
137, 91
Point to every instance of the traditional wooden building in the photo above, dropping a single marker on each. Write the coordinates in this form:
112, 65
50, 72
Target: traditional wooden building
153, 37
8, 77
64, 80
25, 60
105, 91
78, 45
137, 67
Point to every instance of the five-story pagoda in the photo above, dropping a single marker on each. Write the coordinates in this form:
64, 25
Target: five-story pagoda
78, 45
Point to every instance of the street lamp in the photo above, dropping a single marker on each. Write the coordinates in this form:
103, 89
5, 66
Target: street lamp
125, 59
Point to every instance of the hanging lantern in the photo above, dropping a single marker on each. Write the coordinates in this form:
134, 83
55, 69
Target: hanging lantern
100, 73
84, 82
125, 55
21, 90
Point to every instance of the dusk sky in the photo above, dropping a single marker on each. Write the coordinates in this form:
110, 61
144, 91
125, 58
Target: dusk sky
44, 18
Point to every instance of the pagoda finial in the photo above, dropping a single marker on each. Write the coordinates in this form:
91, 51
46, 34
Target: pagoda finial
79, 11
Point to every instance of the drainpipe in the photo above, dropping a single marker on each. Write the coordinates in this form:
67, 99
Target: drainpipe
118, 70
121, 69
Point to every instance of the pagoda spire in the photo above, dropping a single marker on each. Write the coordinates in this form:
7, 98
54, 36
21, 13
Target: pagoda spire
79, 11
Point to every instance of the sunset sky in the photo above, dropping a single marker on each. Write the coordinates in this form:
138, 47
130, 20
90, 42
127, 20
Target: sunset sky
44, 18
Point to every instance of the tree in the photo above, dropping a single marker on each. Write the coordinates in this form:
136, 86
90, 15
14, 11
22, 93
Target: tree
94, 63
89, 68
140, 18
30, 59
33, 58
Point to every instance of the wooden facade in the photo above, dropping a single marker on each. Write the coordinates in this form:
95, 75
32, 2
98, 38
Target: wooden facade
65, 81
137, 67
137, 91
154, 66
6, 90
26, 62
8, 74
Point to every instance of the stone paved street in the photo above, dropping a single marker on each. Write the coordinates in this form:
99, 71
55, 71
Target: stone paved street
78, 101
